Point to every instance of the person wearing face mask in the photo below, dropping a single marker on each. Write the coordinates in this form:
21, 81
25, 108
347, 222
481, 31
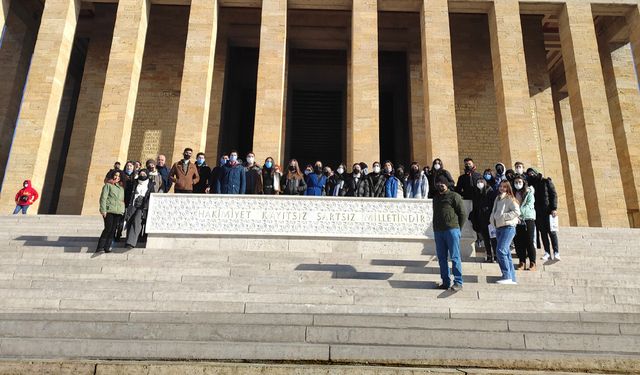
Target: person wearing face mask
164, 171
136, 213
417, 183
216, 174
500, 176
270, 178
154, 176
480, 215
253, 174
308, 170
437, 170
467, 181
316, 181
184, 174
449, 216
505, 215
526, 229
25, 198
204, 172
293, 181
364, 168
356, 184
392, 184
128, 181
402, 188
111, 209
233, 178
377, 181
546, 205
335, 183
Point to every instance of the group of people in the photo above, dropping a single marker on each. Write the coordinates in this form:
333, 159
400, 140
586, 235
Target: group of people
511, 207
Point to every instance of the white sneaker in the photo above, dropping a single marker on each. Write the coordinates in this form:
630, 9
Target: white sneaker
546, 256
506, 282
556, 256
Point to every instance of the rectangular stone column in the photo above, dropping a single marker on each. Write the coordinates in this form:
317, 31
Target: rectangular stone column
418, 136
270, 95
437, 77
624, 108
591, 122
363, 131
217, 91
195, 93
119, 96
541, 102
33, 136
633, 19
512, 89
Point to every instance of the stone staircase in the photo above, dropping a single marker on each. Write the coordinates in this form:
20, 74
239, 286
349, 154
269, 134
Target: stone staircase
59, 299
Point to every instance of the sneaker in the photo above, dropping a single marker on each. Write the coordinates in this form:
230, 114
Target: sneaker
456, 287
107, 250
506, 282
546, 256
443, 287
556, 256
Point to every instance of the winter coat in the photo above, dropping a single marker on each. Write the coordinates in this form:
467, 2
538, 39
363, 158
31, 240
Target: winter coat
466, 183
157, 182
27, 195
527, 206
448, 211
232, 179
335, 185
480, 215
112, 199
546, 196
418, 188
376, 184
166, 181
254, 179
293, 186
184, 180
129, 184
505, 212
143, 203
205, 174
391, 187
359, 188
315, 184
499, 177
214, 178
270, 182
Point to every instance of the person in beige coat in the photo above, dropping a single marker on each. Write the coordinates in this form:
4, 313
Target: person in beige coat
504, 218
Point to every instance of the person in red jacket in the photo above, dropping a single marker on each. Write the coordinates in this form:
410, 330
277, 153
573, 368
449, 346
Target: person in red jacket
25, 198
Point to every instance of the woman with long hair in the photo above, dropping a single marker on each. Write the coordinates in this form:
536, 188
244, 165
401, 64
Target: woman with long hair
293, 181
504, 217
417, 183
270, 179
526, 230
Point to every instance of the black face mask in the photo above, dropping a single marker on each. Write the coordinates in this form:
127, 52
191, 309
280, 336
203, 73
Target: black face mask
143, 177
186, 156
500, 170
292, 168
327, 174
317, 169
467, 168
441, 188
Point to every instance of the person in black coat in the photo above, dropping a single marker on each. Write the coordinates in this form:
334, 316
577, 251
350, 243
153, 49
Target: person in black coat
546, 205
356, 185
376, 181
468, 180
336, 181
293, 181
205, 175
480, 215
216, 174
437, 170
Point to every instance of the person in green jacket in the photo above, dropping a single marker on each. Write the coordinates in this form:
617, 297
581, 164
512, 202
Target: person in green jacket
526, 229
111, 209
449, 216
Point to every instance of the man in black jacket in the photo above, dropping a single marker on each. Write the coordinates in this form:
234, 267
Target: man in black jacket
546, 205
357, 185
467, 181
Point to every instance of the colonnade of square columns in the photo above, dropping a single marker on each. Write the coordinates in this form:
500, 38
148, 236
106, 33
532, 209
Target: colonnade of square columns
596, 140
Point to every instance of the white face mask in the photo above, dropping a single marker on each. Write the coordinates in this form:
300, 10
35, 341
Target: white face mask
250, 160
340, 170
376, 169
518, 185
480, 186
519, 170
437, 167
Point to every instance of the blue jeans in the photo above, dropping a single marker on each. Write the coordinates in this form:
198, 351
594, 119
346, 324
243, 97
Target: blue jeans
505, 235
448, 245
20, 208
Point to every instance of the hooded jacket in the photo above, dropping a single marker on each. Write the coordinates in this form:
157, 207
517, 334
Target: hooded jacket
433, 177
448, 211
546, 195
27, 195
527, 208
499, 177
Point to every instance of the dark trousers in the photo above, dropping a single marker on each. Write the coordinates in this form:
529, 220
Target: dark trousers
488, 244
545, 233
111, 222
178, 191
525, 241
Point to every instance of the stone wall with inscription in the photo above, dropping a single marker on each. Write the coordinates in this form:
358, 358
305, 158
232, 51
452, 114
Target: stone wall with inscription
292, 216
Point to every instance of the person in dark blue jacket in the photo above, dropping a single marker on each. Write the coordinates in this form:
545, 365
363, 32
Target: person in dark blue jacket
316, 181
233, 177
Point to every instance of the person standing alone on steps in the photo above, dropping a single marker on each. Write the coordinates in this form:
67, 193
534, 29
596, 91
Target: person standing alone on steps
25, 198
448, 219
